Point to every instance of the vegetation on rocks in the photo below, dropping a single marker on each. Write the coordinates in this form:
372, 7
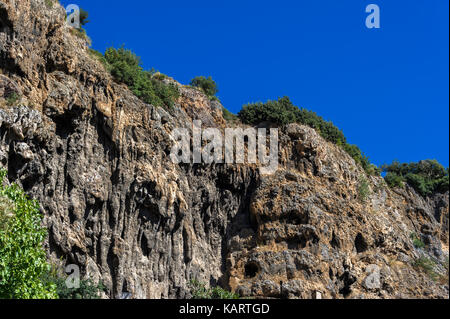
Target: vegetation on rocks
87, 289
206, 84
363, 189
199, 291
427, 266
23, 261
228, 116
126, 68
12, 99
426, 177
417, 242
283, 112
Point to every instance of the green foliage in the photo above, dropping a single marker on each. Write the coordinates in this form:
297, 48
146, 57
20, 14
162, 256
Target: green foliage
49, 3
426, 177
81, 33
87, 290
159, 76
84, 17
12, 99
126, 68
22, 257
101, 58
208, 85
445, 278
363, 189
199, 291
393, 180
416, 241
228, 116
427, 266
283, 112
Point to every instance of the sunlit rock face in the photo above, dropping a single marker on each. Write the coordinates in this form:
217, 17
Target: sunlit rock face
98, 160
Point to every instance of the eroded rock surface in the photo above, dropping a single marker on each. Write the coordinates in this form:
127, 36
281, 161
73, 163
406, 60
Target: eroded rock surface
97, 159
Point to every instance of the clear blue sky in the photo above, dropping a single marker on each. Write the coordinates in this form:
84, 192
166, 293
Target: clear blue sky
387, 89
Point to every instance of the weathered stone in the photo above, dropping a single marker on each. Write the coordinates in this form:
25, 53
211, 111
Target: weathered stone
97, 159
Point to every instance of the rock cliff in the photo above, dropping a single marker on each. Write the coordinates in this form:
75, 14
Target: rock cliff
98, 160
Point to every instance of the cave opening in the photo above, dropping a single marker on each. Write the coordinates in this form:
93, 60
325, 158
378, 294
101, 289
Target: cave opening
251, 270
360, 244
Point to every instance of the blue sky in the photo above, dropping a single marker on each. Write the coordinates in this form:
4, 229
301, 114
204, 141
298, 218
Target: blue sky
387, 88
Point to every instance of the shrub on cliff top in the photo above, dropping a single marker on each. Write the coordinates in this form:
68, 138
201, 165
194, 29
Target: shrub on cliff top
283, 112
22, 257
126, 68
426, 177
208, 85
87, 289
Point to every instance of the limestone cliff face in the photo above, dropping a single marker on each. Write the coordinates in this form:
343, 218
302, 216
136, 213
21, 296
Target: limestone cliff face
97, 159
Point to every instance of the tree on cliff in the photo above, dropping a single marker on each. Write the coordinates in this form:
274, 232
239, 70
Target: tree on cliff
84, 17
208, 85
23, 262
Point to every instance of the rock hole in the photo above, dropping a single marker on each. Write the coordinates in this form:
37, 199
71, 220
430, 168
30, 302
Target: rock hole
335, 242
251, 270
360, 244
144, 246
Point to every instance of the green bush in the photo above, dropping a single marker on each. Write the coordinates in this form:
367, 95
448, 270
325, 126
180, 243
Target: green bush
49, 3
427, 266
101, 58
426, 177
87, 289
393, 180
228, 116
208, 85
283, 112
12, 99
84, 17
416, 241
126, 68
22, 257
363, 189
199, 291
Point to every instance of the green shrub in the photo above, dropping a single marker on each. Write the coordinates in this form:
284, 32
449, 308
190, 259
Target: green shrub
199, 291
159, 76
393, 180
81, 34
363, 189
87, 289
426, 177
22, 257
416, 241
49, 3
126, 68
228, 116
355, 152
427, 266
208, 85
84, 17
100, 57
12, 99
283, 112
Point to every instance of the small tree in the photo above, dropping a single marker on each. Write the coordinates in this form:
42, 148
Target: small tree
125, 67
208, 85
